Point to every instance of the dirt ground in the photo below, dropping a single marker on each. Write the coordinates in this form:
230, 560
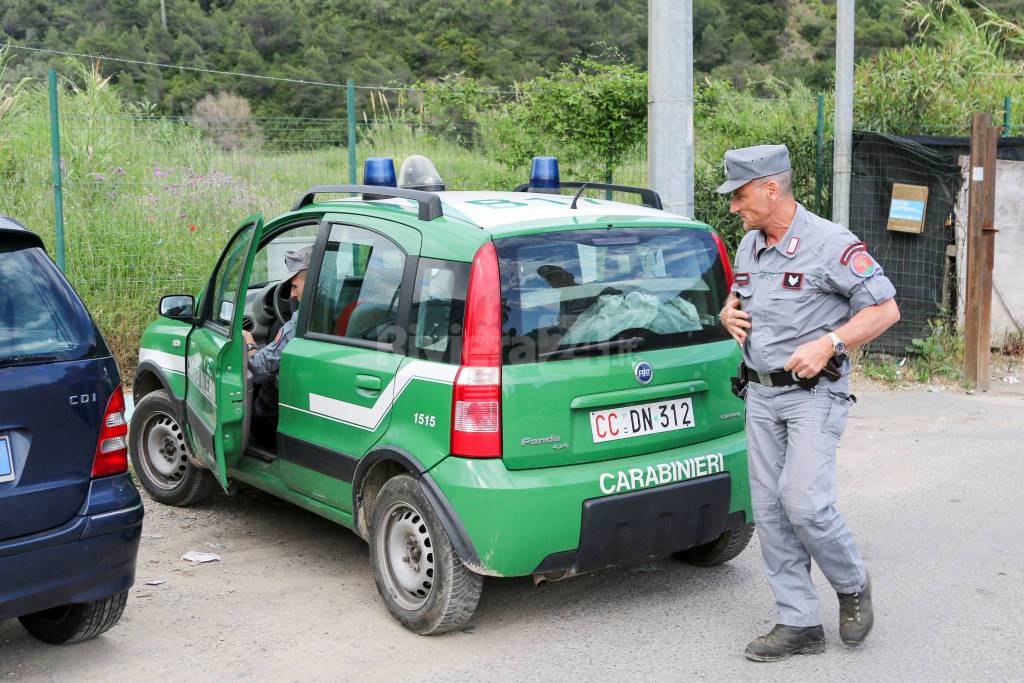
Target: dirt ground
930, 482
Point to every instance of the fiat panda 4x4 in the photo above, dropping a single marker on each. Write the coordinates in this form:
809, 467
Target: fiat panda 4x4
480, 383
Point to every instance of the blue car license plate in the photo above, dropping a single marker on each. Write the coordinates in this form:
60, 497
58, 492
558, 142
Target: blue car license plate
6, 461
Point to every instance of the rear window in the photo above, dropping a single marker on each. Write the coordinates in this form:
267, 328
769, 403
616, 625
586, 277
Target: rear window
592, 291
41, 317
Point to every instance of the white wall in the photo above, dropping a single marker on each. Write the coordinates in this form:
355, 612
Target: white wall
1008, 273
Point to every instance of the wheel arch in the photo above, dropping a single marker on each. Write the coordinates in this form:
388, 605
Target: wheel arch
150, 377
383, 463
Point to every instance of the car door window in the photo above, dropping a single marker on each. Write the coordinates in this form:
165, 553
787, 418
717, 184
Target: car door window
228, 278
358, 287
269, 265
438, 305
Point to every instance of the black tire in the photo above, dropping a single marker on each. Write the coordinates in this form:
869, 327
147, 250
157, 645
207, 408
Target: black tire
444, 593
724, 548
77, 622
166, 472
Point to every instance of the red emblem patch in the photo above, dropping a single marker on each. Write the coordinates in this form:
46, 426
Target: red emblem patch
794, 242
862, 264
742, 278
792, 280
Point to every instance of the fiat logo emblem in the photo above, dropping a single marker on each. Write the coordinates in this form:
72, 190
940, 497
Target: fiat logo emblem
643, 372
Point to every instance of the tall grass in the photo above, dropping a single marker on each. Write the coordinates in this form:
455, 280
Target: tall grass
149, 201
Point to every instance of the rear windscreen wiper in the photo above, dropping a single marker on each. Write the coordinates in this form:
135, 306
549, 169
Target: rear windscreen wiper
24, 360
618, 344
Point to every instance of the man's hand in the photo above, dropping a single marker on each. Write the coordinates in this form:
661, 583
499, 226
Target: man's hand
809, 359
735, 321
247, 336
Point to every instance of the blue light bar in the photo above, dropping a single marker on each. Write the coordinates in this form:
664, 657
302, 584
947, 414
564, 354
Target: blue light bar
379, 171
544, 175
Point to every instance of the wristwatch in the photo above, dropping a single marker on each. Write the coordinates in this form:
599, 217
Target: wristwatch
838, 346
251, 346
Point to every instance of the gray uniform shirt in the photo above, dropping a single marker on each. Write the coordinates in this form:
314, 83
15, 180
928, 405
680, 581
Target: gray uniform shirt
807, 284
267, 360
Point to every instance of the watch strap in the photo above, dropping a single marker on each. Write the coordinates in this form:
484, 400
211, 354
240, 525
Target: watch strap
838, 346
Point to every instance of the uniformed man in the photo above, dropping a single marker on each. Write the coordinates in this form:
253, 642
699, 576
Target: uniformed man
806, 292
266, 362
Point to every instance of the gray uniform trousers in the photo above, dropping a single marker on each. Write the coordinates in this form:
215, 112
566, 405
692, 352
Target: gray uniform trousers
792, 435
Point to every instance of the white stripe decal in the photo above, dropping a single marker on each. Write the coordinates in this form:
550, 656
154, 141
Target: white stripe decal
167, 361
370, 418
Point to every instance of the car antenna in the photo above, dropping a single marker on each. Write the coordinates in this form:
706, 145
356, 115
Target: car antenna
577, 195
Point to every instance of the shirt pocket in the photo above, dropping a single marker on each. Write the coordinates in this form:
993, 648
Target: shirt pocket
791, 311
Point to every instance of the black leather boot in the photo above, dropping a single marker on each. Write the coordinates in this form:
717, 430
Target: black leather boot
856, 616
783, 641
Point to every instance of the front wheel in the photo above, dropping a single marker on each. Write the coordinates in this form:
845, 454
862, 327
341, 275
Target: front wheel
77, 622
159, 454
417, 571
724, 548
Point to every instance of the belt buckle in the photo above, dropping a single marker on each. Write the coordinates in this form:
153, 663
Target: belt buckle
764, 378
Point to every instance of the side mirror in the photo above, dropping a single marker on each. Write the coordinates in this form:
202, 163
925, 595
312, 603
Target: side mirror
178, 307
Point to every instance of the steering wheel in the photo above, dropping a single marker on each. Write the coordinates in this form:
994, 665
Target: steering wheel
281, 295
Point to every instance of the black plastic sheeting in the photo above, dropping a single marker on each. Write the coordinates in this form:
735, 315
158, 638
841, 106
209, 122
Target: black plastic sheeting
1008, 149
917, 264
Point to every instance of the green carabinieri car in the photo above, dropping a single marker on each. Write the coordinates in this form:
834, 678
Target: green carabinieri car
480, 384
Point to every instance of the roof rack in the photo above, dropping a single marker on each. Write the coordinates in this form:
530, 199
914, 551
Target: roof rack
429, 203
650, 198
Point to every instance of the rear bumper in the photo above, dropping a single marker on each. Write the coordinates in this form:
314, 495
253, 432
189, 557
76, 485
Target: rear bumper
89, 558
593, 515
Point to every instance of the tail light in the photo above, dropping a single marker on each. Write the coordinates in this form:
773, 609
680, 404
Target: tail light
476, 408
112, 446
724, 255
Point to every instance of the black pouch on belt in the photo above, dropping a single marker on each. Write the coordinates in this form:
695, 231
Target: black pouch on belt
739, 382
833, 369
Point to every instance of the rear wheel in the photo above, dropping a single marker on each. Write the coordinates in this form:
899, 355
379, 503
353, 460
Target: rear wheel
74, 623
418, 573
159, 454
724, 548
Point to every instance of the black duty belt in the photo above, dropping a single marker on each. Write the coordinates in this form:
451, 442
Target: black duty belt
782, 378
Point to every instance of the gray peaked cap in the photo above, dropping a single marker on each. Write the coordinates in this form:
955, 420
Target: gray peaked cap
297, 261
748, 163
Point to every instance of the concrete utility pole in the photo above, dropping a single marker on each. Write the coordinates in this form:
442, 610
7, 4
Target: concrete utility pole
163, 14
842, 150
670, 102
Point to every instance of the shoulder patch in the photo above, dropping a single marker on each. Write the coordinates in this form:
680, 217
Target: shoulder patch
862, 264
742, 278
848, 253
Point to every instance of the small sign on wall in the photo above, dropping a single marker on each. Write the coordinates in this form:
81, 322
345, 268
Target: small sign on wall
906, 212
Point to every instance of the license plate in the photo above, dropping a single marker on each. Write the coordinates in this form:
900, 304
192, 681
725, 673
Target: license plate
647, 418
6, 461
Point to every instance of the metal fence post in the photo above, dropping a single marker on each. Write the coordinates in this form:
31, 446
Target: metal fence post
608, 172
350, 107
819, 155
58, 175
1007, 113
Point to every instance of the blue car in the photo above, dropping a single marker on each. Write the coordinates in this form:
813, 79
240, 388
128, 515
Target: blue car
70, 515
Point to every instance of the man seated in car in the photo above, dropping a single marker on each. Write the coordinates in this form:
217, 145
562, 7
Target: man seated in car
266, 362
